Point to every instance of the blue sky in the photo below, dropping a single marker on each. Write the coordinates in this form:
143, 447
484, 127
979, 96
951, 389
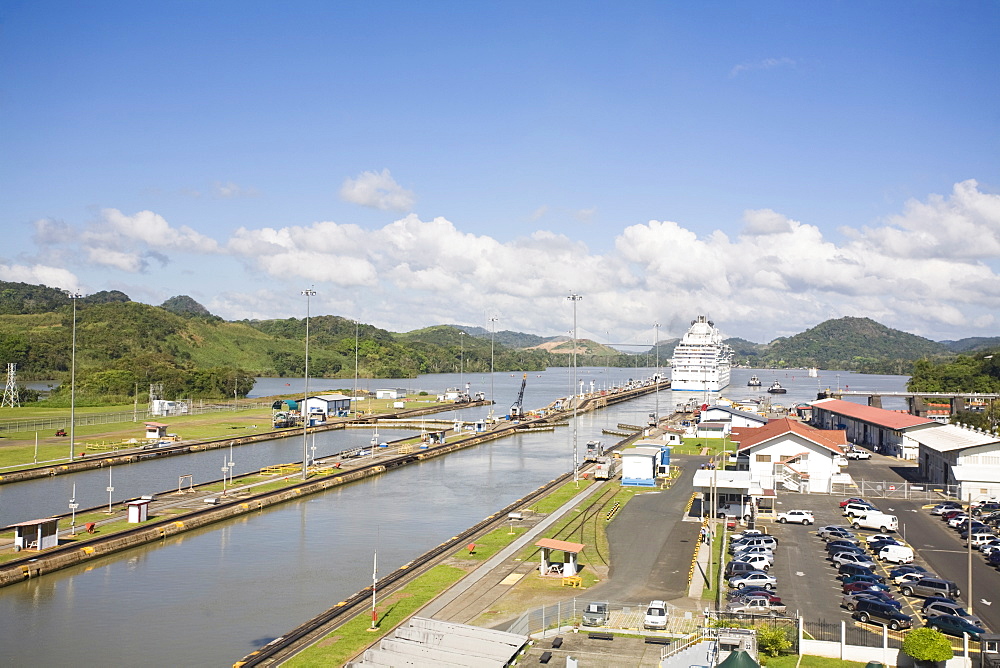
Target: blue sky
772, 164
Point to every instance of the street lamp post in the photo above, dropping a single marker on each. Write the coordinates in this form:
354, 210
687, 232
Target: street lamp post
461, 368
576, 400
356, 326
493, 332
656, 346
72, 381
310, 293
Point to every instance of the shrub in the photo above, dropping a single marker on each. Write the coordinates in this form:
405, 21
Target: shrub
772, 641
926, 644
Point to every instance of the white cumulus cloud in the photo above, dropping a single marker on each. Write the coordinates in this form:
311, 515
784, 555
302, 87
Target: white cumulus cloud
377, 190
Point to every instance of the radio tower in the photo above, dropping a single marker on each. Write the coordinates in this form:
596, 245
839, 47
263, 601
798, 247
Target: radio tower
10, 397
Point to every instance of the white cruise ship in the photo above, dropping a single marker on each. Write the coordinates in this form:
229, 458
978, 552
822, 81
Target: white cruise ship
701, 360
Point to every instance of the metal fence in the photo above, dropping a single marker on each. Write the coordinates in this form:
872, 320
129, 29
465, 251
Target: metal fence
621, 616
881, 489
137, 415
872, 635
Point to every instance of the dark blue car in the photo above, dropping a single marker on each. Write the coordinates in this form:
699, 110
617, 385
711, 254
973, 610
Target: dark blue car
955, 626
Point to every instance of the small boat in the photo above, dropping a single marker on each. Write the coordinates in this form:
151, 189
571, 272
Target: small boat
813, 372
753, 382
776, 388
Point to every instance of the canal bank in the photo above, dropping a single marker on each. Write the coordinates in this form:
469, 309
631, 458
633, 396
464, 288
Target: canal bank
36, 564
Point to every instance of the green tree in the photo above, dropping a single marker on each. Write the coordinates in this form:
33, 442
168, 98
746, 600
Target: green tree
772, 641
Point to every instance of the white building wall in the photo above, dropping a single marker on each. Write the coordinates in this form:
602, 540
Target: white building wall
818, 463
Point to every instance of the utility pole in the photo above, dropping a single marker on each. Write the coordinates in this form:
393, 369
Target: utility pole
576, 399
305, 399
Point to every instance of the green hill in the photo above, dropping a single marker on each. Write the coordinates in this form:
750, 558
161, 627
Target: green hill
858, 344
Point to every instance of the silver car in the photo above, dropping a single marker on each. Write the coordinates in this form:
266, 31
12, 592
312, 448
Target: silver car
754, 578
943, 608
841, 558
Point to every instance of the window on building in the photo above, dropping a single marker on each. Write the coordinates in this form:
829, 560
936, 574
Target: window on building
764, 459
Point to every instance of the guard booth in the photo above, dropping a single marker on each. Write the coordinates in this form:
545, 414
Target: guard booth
436, 437
156, 430
138, 511
36, 534
566, 568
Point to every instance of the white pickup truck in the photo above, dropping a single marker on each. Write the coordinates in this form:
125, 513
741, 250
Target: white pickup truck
858, 454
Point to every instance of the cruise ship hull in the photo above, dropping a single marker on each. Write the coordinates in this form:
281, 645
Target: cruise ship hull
701, 362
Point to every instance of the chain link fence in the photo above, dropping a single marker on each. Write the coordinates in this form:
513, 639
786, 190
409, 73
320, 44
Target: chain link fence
137, 415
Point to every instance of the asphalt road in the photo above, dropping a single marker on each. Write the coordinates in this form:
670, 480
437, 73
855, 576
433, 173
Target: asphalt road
651, 547
807, 579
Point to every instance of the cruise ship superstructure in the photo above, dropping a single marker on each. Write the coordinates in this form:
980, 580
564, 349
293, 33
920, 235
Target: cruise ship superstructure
701, 360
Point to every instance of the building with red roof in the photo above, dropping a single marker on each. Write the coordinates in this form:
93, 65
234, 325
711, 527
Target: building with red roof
787, 454
885, 432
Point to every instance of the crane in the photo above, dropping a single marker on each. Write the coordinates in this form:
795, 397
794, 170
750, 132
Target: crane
515, 408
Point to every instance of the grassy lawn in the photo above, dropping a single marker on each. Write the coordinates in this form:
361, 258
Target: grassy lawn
353, 636
17, 449
709, 593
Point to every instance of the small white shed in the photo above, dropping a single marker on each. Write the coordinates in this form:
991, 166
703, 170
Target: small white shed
390, 393
36, 534
639, 466
138, 511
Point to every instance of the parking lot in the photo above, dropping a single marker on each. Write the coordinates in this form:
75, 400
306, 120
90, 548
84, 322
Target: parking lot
807, 579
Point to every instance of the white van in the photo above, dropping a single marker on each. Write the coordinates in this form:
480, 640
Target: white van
876, 520
897, 554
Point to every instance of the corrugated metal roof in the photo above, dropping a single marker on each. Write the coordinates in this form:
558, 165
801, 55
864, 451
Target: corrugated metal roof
563, 545
877, 416
831, 439
949, 437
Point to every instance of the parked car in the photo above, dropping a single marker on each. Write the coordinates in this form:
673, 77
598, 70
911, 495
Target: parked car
864, 586
835, 546
756, 549
874, 519
858, 454
656, 616
863, 577
737, 567
945, 506
868, 610
897, 554
848, 570
595, 614
876, 537
850, 601
746, 533
934, 608
753, 592
908, 568
857, 509
988, 546
835, 532
989, 507
841, 558
756, 605
803, 517
931, 587
907, 577
756, 578
955, 626
994, 559
768, 541
853, 499
759, 561
955, 520
749, 590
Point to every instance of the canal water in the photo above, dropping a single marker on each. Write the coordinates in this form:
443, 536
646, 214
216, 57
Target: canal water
211, 596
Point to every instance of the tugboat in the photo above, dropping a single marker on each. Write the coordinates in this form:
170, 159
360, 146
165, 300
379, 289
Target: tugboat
776, 388
753, 382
